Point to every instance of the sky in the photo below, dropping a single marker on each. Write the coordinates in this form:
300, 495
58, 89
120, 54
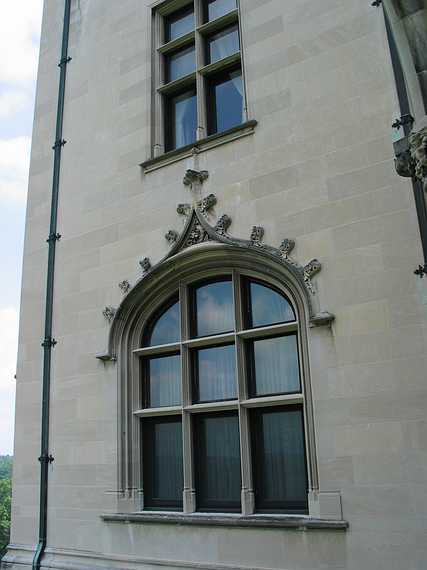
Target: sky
20, 22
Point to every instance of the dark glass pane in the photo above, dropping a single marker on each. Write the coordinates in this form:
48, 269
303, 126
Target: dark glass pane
167, 327
279, 460
214, 308
268, 307
217, 462
164, 381
181, 120
225, 102
275, 366
179, 23
223, 44
180, 63
217, 8
215, 373
162, 462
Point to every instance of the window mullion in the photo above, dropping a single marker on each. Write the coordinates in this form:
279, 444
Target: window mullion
189, 493
200, 81
242, 50
158, 111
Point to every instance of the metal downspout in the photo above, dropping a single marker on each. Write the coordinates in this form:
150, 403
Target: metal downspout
49, 342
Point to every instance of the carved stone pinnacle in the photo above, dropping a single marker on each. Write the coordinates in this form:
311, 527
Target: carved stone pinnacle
183, 209
286, 247
192, 176
171, 237
124, 286
257, 234
223, 224
109, 313
312, 267
207, 203
145, 264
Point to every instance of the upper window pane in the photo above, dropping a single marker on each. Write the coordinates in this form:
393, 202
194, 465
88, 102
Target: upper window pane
217, 8
166, 328
275, 368
162, 462
267, 307
164, 381
279, 460
214, 308
217, 454
180, 63
179, 23
181, 120
215, 371
223, 44
225, 101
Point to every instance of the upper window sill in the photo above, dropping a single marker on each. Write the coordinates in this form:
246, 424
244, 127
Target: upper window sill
294, 522
207, 143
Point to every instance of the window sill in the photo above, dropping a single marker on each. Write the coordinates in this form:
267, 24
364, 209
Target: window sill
202, 145
202, 519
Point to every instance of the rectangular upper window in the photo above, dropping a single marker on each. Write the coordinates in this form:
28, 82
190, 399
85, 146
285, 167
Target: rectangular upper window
198, 87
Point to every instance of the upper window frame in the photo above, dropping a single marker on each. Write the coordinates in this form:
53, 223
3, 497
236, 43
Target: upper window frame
160, 127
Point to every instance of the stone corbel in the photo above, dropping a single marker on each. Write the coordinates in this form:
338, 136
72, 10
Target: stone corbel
411, 157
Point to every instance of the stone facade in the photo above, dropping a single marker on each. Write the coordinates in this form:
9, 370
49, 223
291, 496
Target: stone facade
317, 169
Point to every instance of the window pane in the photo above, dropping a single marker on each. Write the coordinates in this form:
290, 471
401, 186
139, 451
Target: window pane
279, 460
217, 8
180, 63
214, 308
217, 462
179, 23
162, 465
167, 327
164, 381
268, 307
223, 44
225, 101
275, 366
215, 374
181, 120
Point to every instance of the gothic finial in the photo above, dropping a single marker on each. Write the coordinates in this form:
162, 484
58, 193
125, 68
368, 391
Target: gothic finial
223, 224
191, 176
145, 264
257, 234
312, 267
124, 286
171, 237
109, 313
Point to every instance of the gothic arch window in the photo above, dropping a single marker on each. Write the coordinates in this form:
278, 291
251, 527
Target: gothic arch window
215, 408
219, 397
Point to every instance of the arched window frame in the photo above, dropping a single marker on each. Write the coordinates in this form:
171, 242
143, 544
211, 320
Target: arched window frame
200, 251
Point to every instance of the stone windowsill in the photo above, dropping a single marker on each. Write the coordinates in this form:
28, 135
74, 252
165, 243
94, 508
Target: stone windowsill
206, 519
202, 145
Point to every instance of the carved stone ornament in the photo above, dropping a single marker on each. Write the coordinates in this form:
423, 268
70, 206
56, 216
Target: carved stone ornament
197, 231
195, 176
411, 157
145, 264
257, 234
418, 150
109, 313
172, 236
124, 286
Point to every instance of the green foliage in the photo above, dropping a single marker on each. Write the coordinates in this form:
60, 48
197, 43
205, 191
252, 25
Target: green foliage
5, 467
5, 499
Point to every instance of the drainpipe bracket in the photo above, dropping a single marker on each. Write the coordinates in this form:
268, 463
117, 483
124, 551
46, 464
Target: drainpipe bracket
64, 61
46, 458
49, 342
59, 143
53, 237
421, 271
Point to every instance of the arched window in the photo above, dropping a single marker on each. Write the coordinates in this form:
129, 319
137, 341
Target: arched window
221, 399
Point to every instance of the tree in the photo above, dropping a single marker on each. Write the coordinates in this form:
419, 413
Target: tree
5, 467
5, 499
